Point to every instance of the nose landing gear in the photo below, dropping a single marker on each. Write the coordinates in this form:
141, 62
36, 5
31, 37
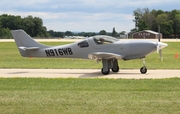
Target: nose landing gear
143, 69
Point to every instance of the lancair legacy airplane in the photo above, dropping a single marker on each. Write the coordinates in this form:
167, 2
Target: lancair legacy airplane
101, 48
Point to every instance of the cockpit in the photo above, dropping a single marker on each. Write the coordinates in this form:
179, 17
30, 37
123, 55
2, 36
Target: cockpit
99, 40
102, 39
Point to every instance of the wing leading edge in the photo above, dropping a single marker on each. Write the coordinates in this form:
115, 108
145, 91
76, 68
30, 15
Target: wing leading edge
104, 55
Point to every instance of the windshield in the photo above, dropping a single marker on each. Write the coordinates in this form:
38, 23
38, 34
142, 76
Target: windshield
102, 39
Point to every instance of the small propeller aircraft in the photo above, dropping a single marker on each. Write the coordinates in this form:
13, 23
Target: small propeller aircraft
100, 48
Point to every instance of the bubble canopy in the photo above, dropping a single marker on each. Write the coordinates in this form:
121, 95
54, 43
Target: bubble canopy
102, 39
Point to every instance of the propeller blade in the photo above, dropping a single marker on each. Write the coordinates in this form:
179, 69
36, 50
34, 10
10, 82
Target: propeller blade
159, 34
160, 54
160, 46
157, 48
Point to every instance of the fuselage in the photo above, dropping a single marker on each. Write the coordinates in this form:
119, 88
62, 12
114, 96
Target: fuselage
132, 49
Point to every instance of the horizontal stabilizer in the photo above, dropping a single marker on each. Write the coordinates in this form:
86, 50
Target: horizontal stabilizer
28, 48
104, 55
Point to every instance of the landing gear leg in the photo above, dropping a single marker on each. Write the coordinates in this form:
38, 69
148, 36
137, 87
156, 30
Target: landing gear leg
115, 67
105, 70
143, 69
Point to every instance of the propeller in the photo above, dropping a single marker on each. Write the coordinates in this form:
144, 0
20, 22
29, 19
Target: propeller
159, 44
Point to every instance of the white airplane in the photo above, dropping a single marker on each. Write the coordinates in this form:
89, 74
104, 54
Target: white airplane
100, 48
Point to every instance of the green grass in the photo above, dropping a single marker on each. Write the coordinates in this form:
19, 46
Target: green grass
89, 96
10, 58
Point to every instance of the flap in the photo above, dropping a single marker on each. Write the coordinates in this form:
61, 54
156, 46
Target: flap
104, 55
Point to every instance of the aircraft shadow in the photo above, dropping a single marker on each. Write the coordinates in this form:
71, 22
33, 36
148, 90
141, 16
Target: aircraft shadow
98, 75
17, 72
82, 75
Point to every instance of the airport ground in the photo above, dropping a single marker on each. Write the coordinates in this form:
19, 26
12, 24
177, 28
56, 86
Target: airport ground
84, 91
86, 73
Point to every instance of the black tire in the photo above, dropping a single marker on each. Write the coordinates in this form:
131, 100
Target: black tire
116, 69
143, 70
106, 72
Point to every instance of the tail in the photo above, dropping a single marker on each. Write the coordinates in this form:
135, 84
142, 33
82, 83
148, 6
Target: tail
24, 42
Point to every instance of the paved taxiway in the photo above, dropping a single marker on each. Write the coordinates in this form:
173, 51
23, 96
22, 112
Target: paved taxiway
86, 73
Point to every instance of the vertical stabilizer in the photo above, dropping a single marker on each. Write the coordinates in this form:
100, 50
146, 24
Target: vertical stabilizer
24, 42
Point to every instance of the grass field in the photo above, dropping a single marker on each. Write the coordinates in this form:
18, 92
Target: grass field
10, 58
89, 96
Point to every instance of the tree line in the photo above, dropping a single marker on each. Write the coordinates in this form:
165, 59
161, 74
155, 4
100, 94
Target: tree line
85, 34
169, 21
34, 27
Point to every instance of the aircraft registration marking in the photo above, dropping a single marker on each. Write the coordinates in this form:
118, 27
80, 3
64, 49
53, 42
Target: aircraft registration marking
58, 52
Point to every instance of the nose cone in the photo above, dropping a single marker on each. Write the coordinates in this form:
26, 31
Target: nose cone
162, 45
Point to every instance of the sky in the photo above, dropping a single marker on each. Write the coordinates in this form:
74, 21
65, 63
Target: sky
84, 15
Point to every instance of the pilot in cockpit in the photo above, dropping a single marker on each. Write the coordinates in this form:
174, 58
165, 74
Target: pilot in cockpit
101, 41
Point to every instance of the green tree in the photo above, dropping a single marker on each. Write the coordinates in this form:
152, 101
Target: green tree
175, 17
137, 17
143, 19
11, 22
168, 20
32, 25
102, 32
177, 21
28, 25
114, 33
122, 33
56, 34
93, 34
5, 33
142, 25
165, 24
68, 33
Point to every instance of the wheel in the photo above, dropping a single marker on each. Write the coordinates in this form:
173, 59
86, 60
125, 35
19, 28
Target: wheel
105, 72
115, 69
143, 70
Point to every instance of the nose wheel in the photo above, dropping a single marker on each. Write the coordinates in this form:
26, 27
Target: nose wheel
143, 70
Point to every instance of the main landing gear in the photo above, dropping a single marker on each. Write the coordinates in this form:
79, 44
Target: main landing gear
113, 65
109, 64
143, 69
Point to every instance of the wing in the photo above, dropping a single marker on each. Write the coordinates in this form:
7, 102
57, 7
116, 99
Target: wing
104, 55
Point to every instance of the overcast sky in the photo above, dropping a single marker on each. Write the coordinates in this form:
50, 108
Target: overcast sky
84, 15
